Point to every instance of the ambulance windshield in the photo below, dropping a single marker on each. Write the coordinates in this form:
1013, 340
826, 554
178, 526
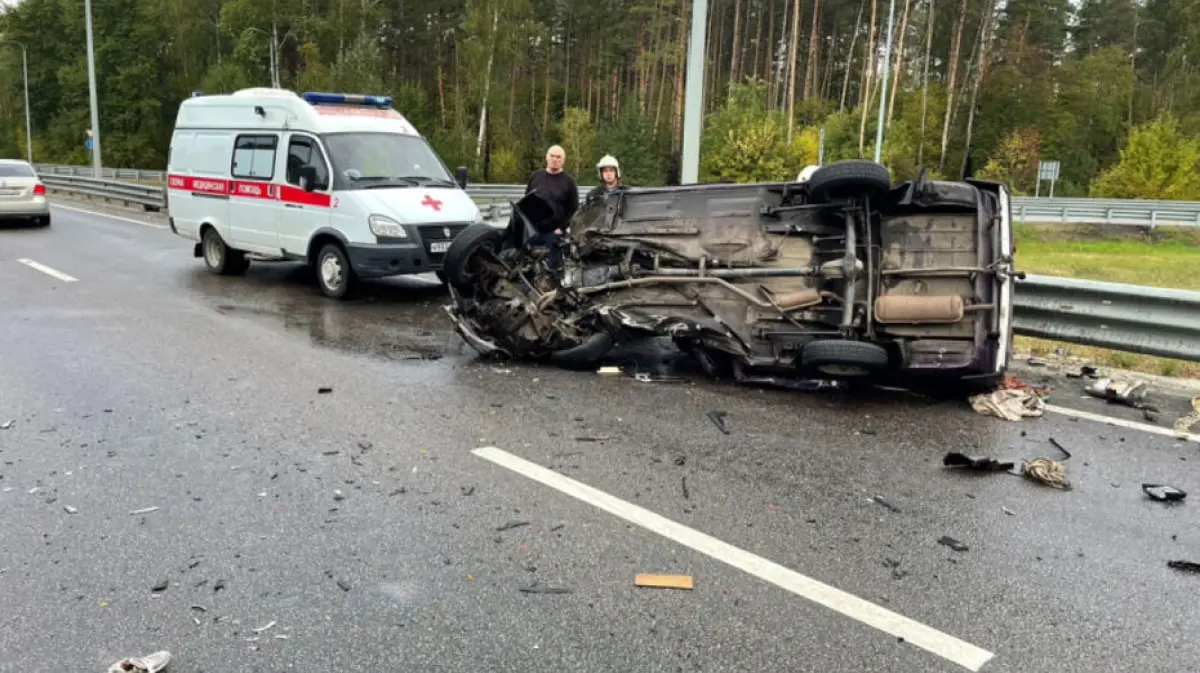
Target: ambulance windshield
377, 160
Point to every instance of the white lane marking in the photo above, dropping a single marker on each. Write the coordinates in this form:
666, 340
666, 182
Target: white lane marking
111, 217
1120, 422
925, 637
48, 271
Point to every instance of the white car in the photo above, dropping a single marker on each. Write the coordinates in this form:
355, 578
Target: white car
22, 194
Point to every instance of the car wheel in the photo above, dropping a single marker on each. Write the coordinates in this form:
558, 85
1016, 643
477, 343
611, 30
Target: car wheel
854, 178
460, 256
43, 221
586, 354
844, 359
220, 258
334, 274
441, 276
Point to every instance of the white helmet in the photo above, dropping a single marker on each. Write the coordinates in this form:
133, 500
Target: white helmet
608, 161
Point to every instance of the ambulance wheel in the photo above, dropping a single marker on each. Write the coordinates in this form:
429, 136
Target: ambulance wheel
220, 258
334, 274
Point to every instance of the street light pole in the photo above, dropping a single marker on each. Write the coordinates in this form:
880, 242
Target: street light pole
693, 107
91, 63
883, 92
28, 124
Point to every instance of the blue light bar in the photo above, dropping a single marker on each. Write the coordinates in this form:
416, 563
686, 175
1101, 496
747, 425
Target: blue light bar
197, 94
321, 98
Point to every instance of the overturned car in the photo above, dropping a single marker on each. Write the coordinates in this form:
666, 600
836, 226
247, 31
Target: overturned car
841, 276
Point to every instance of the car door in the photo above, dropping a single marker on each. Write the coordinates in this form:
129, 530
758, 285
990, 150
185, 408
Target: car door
303, 211
252, 204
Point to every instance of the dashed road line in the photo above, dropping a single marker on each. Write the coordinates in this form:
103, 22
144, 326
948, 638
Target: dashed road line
925, 637
48, 271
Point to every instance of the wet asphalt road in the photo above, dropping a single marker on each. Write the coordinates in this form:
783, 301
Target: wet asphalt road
360, 524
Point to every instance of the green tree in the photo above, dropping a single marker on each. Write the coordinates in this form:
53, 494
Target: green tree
1158, 163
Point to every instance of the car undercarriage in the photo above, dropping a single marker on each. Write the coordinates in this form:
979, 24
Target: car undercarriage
842, 276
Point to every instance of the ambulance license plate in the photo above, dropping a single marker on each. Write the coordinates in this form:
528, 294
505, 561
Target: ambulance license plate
439, 246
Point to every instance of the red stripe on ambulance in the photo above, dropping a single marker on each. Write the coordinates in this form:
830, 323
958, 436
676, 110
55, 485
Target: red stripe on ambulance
249, 190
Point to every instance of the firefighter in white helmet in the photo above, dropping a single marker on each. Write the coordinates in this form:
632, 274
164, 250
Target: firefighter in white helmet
610, 178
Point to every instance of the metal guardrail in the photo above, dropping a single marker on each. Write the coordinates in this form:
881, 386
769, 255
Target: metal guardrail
149, 197
1121, 212
1132, 318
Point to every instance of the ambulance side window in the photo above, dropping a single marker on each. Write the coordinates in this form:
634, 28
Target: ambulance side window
304, 151
254, 156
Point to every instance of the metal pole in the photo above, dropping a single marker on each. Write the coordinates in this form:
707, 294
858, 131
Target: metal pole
821, 148
28, 124
883, 92
91, 60
693, 107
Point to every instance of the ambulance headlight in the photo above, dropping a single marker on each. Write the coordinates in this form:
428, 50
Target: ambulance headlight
386, 227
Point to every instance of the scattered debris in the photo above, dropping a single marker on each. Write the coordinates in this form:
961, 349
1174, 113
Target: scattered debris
981, 463
337, 495
324, 390
263, 629
663, 581
220, 584
511, 525
160, 586
1129, 393
1007, 511
718, 419
143, 511
7, 424
544, 590
1046, 471
885, 504
343, 585
1163, 493
1087, 371
686, 495
70, 510
897, 573
589, 438
1010, 404
608, 371
468, 491
1060, 447
950, 542
1186, 566
1184, 424
199, 608
151, 663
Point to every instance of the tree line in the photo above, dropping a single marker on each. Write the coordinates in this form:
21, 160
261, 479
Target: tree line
1108, 88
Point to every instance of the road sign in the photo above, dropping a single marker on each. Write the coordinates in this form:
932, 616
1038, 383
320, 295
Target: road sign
1048, 170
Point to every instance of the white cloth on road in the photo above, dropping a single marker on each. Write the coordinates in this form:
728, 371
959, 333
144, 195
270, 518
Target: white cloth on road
1011, 404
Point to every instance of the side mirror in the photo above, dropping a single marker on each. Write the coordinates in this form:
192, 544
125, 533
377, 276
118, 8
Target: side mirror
460, 176
308, 178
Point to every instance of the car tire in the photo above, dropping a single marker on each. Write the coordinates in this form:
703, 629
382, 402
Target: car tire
220, 258
334, 274
441, 276
854, 178
42, 220
586, 354
844, 359
456, 265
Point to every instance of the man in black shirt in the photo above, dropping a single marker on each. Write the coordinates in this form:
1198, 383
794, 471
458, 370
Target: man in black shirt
558, 189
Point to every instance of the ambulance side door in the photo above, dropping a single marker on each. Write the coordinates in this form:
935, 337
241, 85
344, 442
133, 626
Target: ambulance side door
305, 209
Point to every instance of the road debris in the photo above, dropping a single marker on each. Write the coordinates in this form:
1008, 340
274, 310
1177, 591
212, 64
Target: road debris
980, 463
663, 581
263, 629
718, 419
151, 663
1163, 493
608, 371
1010, 404
950, 542
1046, 471
1129, 393
511, 525
1186, 566
70, 510
147, 510
1184, 424
324, 390
885, 504
160, 586
1007, 511
544, 590
7, 424
1086, 371
686, 494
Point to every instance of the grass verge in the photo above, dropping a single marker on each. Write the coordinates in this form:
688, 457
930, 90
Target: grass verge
1165, 257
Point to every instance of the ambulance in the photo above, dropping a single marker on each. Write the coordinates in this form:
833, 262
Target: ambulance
341, 182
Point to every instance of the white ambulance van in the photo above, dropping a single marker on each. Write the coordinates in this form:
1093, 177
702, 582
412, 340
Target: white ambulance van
342, 182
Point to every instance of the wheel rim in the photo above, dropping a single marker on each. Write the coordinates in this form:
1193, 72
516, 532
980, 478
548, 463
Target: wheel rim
842, 370
212, 251
331, 271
